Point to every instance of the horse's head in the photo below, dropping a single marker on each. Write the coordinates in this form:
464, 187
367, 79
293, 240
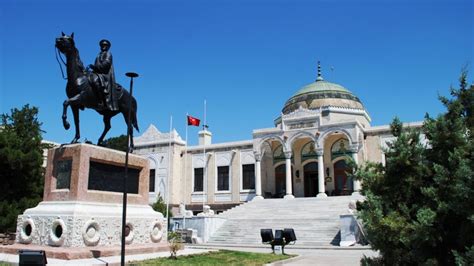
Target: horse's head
65, 43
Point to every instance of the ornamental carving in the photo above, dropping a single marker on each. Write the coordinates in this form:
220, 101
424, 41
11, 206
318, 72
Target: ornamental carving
308, 151
340, 148
300, 113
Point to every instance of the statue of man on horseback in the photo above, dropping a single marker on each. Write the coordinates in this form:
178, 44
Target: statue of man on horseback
103, 77
96, 90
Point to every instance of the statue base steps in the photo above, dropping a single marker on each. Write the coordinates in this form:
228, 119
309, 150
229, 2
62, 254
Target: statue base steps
86, 252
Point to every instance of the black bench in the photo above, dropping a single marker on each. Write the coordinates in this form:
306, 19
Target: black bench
282, 238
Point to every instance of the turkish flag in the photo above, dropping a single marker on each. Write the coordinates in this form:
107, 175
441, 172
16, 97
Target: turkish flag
193, 121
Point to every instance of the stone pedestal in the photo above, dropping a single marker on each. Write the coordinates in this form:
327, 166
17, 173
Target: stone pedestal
82, 202
349, 230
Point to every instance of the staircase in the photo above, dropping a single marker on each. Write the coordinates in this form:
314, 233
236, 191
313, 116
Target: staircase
315, 220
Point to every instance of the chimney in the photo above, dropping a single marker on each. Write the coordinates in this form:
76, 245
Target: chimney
205, 137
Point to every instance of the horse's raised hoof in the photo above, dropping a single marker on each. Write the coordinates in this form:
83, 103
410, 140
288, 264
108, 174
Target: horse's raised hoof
66, 125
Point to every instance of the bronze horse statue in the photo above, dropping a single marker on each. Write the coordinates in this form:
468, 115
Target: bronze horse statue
81, 93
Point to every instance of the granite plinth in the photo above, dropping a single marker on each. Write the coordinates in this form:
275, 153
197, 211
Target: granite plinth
72, 215
68, 172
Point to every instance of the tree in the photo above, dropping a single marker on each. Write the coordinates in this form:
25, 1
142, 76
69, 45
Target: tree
21, 159
160, 206
117, 143
419, 207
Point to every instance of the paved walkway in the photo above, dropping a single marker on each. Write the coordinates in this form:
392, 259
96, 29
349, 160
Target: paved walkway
334, 257
327, 256
114, 260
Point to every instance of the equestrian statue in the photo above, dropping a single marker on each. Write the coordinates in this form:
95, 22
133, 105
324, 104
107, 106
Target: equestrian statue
94, 87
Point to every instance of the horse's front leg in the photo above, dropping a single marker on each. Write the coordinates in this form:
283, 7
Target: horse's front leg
71, 101
65, 122
75, 112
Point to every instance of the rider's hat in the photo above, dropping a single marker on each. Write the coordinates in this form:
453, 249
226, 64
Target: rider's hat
104, 42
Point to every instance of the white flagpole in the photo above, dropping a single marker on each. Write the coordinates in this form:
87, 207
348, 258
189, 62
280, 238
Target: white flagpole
169, 174
205, 160
185, 166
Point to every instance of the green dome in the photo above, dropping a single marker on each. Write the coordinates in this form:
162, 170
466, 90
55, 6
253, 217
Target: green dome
322, 93
320, 86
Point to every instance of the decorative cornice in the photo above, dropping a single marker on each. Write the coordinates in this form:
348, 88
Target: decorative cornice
378, 130
272, 130
300, 113
346, 110
223, 145
152, 133
152, 137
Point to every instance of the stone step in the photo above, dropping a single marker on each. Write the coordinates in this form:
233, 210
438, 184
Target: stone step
253, 236
315, 220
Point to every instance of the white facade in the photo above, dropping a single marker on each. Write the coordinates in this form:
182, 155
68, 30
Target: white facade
304, 155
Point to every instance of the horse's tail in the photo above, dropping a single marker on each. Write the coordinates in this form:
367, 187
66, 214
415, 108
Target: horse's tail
134, 114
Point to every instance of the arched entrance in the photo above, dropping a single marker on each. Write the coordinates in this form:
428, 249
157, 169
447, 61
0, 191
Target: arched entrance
311, 179
344, 185
280, 180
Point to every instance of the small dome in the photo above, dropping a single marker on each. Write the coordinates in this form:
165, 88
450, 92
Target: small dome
322, 93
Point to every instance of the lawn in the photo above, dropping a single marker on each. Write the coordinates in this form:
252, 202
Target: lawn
222, 257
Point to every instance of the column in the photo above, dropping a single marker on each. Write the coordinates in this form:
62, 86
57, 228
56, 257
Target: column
321, 186
356, 183
289, 189
258, 177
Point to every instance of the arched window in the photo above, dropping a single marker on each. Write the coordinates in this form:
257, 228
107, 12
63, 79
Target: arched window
308, 152
278, 154
340, 148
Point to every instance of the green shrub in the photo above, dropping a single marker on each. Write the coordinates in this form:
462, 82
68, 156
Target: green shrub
21, 159
419, 207
160, 206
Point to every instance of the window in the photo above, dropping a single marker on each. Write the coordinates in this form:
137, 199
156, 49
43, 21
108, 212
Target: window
152, 180
248, 176
223, 178
198, 179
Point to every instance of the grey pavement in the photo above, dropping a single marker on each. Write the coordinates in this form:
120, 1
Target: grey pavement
335, 256
113, 260
327, 257
314, 256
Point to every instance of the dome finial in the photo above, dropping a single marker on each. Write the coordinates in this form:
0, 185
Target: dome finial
320, 77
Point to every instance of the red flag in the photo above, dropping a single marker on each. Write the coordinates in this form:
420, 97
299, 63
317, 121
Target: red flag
193, 121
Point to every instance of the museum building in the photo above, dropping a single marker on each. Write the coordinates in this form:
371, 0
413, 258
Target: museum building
304, 155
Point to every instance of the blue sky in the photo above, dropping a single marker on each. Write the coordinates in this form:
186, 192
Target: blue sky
246, 58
